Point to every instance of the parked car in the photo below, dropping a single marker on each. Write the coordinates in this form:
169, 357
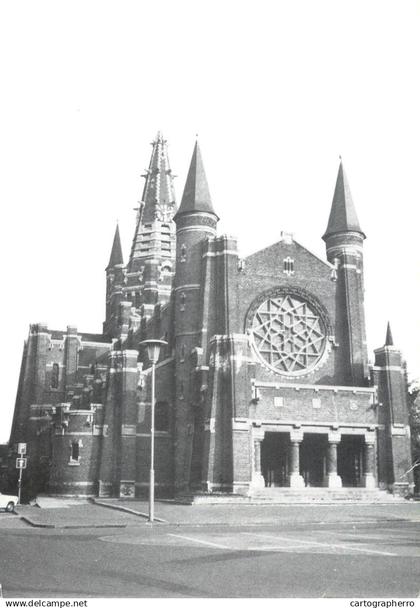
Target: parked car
8, 502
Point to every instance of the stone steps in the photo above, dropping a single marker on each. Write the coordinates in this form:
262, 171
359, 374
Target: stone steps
316, 495
293, 496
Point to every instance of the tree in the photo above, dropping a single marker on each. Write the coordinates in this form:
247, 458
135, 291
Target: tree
414, 418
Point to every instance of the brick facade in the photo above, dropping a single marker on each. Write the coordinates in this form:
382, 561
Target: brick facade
264, 381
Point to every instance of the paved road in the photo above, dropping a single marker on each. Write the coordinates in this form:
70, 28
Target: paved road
310, 560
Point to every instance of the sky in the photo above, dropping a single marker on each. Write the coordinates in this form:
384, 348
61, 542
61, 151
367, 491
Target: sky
276, 90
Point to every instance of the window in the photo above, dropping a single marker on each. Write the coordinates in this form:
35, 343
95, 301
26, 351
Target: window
162, 416
183, 254
182, 299
55, 375
289, 334
182, 354
86, 398
75, 451
288, 266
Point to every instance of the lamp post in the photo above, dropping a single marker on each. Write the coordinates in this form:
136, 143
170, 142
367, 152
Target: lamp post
153, 351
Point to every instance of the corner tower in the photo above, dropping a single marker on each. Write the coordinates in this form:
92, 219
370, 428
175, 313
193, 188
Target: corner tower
196, 222
395, 469
151, 265
344, 242
114, 286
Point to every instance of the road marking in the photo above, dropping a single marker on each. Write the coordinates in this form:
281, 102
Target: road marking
274, 548
328, 545
202, 542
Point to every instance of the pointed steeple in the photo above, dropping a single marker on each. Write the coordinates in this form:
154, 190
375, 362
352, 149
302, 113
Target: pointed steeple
158, 199
157, 206
388, 340
116, 256
196, 197
343, 217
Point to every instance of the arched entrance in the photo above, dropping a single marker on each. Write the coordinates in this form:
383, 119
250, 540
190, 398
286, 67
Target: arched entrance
275, 459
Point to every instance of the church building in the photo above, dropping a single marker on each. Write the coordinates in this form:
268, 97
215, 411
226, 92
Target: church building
264, 384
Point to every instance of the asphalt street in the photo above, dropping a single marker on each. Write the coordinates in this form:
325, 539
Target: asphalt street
380, 559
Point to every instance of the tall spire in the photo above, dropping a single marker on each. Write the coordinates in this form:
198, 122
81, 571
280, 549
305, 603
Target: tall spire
157, 204
343, 217
116, 256
388, 340
158, 197
196, 197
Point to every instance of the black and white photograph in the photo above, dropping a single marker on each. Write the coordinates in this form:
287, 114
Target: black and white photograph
210, 302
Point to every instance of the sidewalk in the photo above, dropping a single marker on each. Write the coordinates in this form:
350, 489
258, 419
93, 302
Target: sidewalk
219, 514
77, 515
120, 513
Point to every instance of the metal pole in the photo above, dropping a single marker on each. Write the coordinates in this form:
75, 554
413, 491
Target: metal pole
152, 451
20, 485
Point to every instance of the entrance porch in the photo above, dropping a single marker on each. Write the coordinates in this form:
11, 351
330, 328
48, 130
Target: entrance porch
301, 459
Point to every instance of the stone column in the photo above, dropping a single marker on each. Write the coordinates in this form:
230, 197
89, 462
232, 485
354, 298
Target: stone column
257, 481
295, 478
333, 479
369, 460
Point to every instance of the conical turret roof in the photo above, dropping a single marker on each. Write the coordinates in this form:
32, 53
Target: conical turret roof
116, 256
389, 340
196, 197
343, 217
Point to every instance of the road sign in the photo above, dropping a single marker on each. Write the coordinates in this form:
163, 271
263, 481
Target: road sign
21, 463
21, 448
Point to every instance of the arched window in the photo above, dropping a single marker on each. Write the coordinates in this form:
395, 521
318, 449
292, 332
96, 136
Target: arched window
162, 416
55, 375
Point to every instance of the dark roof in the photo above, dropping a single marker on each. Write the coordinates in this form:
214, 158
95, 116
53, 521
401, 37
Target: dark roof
95, 338
388, 340
196, 197
343, 217
57, 334
116, 251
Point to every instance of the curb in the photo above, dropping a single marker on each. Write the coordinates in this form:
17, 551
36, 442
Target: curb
294, 524
218, 524
69, 526
33, 524
127, 510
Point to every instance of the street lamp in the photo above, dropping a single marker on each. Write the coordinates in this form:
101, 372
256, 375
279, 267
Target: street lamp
153, 351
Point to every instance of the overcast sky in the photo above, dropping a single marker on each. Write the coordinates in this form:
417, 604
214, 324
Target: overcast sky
276, 91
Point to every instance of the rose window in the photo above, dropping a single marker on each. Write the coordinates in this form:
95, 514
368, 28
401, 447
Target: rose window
289, 334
